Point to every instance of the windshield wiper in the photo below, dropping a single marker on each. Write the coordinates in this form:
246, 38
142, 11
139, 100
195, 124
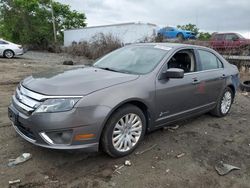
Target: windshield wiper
107, 68
110, 69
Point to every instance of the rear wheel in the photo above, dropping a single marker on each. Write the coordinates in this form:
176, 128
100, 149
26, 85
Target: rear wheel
124, 131
224, 103
180, 36
8, 54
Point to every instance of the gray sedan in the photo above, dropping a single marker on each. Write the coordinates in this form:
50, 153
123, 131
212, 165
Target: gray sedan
131, 91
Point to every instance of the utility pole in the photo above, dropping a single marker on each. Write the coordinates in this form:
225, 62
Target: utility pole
53, 21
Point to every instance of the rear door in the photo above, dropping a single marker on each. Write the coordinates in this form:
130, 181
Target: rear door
211, 78
3, 46
218, 42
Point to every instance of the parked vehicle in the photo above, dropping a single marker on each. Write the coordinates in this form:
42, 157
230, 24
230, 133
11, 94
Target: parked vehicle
133, 90
230, 41
9, 49
171, 32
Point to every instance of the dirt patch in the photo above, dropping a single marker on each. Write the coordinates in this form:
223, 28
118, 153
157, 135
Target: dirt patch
205, 140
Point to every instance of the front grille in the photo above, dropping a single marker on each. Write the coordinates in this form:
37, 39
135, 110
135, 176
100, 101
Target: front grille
23, 101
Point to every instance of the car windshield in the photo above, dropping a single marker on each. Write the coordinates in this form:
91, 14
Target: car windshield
133, 59
240, 36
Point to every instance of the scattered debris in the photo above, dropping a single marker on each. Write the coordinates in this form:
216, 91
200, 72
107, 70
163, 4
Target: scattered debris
245, 93
167, 171
21, 159
180, 155
127, 163
14, 182
141, 152
223, 169
153, 167
228, 140
118, 172
156, 157
174, 127
68, 62
171, 128
118, 168
46, 177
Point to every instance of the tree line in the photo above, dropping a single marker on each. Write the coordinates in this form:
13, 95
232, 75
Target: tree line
31, 22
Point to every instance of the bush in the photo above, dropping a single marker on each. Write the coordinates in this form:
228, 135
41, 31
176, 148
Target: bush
97, 47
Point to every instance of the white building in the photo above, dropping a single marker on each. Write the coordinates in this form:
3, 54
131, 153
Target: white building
126, 32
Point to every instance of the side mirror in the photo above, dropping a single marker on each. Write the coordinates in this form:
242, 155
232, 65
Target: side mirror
172, 73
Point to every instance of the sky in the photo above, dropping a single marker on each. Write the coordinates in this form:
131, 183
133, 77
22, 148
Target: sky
208, 15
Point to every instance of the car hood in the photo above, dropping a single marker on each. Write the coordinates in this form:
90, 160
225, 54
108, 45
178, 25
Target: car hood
76, 81
246, 41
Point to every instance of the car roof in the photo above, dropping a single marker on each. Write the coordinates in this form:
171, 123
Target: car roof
171, 45
225, 33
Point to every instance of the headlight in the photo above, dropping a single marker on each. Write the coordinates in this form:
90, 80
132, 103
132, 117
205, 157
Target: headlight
57, 105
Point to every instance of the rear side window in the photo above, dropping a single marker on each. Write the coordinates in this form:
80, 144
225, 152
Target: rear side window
209, 61
3, 42
218, 37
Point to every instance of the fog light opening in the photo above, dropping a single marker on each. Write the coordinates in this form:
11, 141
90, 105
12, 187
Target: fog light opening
57, 137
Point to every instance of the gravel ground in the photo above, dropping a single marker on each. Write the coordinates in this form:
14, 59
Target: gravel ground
204, 141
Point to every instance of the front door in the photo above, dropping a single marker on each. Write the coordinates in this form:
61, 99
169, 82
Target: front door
176, 98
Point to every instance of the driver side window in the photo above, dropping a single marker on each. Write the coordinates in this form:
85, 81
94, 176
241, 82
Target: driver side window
183, 59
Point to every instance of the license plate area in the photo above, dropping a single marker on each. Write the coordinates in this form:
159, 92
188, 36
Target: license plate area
13, 116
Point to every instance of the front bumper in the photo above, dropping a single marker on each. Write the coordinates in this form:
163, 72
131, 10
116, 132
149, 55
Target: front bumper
19, 52
79, 121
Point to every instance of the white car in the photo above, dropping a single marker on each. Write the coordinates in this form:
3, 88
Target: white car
9, 49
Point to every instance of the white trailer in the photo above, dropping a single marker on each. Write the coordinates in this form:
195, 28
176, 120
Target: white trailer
126, 32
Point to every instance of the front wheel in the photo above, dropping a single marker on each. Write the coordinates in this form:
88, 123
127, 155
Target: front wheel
224, 103
124, 131
8, 54
180, 36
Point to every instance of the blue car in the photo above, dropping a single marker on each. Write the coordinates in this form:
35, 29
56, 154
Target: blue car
171, 32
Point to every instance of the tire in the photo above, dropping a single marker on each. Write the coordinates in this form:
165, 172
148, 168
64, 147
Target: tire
119, 139
224, 103
8, 54
245, 86
180, 36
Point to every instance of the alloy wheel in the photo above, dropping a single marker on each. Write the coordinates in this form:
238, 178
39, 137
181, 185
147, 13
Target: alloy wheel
127, 132
8, 54
226, 102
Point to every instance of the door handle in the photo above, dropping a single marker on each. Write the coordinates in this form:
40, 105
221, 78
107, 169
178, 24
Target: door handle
195, 81
223, 76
